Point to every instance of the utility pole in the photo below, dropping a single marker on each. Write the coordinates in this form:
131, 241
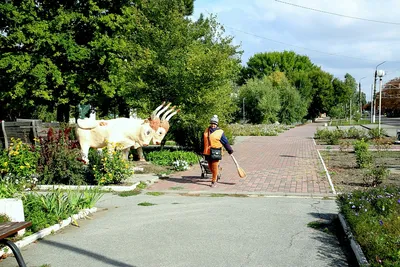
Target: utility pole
374, 102
380, 74
372, 87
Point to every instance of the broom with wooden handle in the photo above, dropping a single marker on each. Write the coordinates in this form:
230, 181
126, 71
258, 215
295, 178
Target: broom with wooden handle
241, 172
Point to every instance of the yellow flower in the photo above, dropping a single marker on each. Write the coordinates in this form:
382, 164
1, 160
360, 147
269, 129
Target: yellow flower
21, 167
5, 164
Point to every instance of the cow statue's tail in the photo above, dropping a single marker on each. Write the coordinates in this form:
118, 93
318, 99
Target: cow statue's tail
87, 123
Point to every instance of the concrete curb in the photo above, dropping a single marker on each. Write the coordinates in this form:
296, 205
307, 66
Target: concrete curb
355, 247
116, 188
327, 173
148, 179
260, 194
47, 231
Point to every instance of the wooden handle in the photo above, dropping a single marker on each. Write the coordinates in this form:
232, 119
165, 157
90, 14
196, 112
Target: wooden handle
234, 160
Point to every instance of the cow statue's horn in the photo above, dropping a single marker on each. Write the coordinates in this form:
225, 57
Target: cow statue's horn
168, 112
172, 114
164, 109
154, 113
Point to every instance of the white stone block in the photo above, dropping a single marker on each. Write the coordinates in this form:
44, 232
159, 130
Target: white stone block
14, 209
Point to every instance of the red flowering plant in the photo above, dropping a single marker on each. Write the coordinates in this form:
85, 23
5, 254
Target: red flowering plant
58, 161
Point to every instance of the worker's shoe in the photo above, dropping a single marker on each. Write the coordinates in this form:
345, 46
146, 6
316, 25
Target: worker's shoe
213, 184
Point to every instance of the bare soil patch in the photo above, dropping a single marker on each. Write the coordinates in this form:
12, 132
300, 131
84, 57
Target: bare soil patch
346, 176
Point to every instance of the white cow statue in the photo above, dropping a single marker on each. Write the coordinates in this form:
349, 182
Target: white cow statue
126, 132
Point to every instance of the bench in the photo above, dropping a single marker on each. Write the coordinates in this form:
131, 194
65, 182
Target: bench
9, 229
25, 129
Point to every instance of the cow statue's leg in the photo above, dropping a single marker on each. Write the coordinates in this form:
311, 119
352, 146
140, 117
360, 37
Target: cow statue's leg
125, 153
85, 152
140, 154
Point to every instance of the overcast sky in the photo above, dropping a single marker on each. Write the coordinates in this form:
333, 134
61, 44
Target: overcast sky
358, 45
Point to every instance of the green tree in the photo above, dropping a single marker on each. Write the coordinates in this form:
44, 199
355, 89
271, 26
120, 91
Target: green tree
58, 55
322, 93
262, 102
262, 64
293, 108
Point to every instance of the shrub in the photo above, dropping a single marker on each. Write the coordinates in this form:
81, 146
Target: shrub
44, 210
58, 163
18, 166
375, 133
331, 137
257, 130
373, 216
344, 145
35, 213
355, 133
382, 143
167, 158
322, 133
108, 167
363, 155
9, 187
376, 175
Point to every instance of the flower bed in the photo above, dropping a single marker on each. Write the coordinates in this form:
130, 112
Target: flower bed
374, 217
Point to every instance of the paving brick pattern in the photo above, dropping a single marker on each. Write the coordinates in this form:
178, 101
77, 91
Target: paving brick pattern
285, 164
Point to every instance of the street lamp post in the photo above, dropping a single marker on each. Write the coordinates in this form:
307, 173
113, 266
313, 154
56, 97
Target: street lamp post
372, 99
374, 103
359, 95
380, 74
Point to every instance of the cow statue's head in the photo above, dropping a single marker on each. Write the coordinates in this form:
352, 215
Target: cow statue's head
162, 124
145, 133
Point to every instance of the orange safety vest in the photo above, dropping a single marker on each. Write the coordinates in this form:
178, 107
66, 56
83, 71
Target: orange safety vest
215, 138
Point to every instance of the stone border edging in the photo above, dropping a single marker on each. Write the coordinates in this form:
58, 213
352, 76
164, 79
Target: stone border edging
116, 188
327, 173
361, 259
47, 231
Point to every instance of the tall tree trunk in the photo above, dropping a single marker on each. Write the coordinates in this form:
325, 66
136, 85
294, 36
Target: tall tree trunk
63, 113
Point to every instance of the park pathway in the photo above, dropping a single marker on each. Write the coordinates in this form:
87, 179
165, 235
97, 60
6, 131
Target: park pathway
287, 164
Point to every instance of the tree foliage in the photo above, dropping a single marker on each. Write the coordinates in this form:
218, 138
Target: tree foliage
115, 55
261, 99
318, 90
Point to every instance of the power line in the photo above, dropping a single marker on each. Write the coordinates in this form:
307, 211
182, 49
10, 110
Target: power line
309, 49
336, 14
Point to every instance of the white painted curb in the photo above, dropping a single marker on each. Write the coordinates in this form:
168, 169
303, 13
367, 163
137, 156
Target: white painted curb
47, 231
327, 173
116, 188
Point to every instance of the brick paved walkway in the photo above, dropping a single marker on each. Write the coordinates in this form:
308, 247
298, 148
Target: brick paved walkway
284, 164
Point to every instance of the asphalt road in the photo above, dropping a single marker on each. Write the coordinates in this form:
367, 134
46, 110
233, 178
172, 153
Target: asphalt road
194, 231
